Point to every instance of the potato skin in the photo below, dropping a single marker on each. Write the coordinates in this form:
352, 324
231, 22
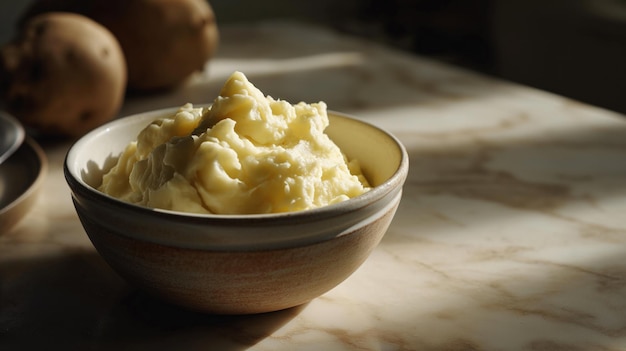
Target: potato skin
164, 41
64, 74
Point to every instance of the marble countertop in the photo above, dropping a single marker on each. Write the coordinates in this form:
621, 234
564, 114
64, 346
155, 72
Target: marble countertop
511, 234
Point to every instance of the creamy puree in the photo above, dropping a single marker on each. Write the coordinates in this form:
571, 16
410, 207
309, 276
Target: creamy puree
245, 154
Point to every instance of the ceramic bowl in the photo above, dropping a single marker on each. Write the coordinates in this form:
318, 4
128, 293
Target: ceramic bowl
237, 264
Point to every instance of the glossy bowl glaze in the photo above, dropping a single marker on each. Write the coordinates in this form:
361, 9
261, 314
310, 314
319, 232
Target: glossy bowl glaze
235, 264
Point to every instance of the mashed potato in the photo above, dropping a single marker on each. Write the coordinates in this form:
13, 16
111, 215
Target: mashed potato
245, 154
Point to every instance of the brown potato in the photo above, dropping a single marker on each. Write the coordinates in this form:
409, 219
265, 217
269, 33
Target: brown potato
164, 41
64, 74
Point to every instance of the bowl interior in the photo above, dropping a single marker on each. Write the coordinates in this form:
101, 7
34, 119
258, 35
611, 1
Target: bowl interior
379, 154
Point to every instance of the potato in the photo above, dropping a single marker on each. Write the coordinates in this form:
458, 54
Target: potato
64, 74
164, 41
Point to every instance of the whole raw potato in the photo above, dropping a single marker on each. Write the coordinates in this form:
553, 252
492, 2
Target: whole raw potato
164, 41
63, 74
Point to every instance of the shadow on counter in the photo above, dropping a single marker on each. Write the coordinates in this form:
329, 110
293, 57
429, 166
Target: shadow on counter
75, 301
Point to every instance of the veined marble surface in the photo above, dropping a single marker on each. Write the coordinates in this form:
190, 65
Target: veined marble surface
511, 234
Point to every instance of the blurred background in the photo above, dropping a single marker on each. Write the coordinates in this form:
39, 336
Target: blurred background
575, 48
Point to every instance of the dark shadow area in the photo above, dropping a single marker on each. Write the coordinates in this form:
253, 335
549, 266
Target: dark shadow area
454, 31
75, 301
